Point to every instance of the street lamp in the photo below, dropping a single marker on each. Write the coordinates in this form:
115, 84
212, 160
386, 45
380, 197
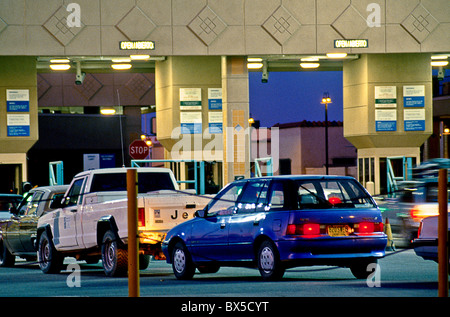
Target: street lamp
326, 100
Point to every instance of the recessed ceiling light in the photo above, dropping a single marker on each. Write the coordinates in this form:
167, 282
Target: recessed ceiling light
108, 111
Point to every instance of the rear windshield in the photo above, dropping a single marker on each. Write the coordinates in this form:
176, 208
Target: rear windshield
339, 193
147, 182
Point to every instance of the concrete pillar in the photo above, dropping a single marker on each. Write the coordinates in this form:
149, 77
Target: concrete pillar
230, 147
235, 118
364, 124
17, 73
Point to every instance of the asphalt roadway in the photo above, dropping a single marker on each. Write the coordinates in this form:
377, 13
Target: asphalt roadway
402, 274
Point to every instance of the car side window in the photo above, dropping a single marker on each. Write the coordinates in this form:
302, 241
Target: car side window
34, 203
277, 196
225, 202
251, 196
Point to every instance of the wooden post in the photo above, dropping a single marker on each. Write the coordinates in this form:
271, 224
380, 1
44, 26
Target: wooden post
442, 233
133, 241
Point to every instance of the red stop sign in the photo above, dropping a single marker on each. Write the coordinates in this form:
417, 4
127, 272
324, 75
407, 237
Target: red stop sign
138, 150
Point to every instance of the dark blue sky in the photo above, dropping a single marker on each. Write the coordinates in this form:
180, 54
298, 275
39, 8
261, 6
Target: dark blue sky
295, 96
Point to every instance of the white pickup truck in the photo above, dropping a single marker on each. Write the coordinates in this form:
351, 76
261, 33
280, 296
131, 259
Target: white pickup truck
91, 220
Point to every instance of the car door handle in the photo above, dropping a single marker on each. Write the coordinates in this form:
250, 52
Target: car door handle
223, 225
73, 210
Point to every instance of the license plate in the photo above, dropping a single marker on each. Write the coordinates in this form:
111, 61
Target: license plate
338, 230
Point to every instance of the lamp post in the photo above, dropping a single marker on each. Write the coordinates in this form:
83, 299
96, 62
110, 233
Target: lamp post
326, 100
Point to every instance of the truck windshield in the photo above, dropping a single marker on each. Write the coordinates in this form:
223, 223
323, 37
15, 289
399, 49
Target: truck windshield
147, 182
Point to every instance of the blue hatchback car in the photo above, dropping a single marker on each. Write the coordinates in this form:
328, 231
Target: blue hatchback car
276, 223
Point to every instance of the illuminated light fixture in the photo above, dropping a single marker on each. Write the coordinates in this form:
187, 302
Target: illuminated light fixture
108, 111
310, 59
59, 61
254, 65
433, 57
309, 65
336, 55
121, 66
254, 59
440, 63
139, 57
121, 60
59, 66
149, 142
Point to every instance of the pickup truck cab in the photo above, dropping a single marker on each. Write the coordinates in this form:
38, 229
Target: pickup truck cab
91, 221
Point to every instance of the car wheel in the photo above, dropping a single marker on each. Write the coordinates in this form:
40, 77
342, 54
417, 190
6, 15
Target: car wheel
50, 261
114, 259
6, 258
182, 264
360, 269
269, 264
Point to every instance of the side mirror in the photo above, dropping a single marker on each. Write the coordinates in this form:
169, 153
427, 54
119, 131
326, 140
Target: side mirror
200, 213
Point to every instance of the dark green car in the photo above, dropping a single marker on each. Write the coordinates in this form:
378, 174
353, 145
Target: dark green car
18, 233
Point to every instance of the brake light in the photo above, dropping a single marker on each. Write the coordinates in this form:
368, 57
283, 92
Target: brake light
303, 229
141, 217
369, 227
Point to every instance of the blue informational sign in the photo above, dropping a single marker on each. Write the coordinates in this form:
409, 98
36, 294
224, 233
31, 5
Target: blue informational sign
414, 119
191, 128
386, 126
18, 106
17, 100
215, 104
414, 96
215, 98
215, 128
414, 101
415, 125
18, 124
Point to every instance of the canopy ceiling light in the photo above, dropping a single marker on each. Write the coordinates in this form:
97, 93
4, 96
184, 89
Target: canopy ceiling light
336, 55
59, 66
254, 65
140, 57
59, 61
440, 63
309, 65
108, 111
121, 66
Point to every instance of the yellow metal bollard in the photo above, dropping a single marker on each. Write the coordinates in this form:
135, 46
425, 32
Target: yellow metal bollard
442, 233
133, 241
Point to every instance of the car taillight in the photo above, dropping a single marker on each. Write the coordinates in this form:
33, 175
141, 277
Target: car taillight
303, 229
369, 227
419, 212
141, 217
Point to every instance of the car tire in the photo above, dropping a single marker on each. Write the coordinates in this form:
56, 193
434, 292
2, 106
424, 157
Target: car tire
50, 260
268, 260
360, 269
114, 259
6, 258
182, 264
